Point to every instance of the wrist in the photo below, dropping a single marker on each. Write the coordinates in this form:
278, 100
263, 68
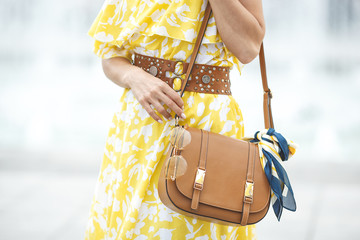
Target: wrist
129, 76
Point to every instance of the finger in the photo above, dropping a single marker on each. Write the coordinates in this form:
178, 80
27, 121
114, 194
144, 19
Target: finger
172, 105
171, 93
161, 109
151, 112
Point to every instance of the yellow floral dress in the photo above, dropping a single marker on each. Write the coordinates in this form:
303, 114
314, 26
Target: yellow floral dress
126, 204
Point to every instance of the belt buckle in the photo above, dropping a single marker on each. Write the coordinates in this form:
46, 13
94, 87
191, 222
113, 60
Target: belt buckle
182, 63
178, 75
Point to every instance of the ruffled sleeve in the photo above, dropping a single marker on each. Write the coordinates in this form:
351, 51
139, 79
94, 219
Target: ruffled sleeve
104, 44
119, 24
119, 20
108, 50
181, 19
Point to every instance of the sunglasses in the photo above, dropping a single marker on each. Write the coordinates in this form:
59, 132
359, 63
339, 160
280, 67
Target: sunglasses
176, 164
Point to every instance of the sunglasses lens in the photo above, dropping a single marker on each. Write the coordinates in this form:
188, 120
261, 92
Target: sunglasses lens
175, 167
179, 137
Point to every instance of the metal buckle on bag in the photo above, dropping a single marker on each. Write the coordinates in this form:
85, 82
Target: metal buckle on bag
199, 179
249, 191
269, 93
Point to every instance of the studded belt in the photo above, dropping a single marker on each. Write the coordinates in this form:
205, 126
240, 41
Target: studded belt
203, 78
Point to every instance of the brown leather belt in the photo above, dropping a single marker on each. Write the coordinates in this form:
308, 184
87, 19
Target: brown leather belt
204, 78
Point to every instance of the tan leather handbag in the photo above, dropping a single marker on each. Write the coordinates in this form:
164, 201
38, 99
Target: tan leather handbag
224, 181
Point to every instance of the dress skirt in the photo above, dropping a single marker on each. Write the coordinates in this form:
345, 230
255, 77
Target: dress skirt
126, 204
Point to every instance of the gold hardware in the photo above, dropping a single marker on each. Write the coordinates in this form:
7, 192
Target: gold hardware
199, 179
177, 81
182, 66
249, 190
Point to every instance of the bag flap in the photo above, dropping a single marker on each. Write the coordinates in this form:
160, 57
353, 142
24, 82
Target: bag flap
225, 176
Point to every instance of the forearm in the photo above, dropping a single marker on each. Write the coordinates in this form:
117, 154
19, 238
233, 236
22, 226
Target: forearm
119, 70
241, 26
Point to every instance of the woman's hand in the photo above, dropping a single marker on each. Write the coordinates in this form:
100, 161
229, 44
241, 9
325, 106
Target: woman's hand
150, 91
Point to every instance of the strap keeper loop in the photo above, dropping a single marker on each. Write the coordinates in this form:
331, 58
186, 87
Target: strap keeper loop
269, 93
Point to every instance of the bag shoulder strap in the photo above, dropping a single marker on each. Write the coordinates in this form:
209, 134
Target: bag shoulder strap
196, 47
268, 119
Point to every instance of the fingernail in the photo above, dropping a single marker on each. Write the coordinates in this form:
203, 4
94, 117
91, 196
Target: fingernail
183, 116
160, 121
182, 107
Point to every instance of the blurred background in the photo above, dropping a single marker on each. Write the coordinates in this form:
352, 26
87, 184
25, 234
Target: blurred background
56, 107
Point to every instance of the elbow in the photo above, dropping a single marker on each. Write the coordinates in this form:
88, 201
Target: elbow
105, 65
247, 55
249, 51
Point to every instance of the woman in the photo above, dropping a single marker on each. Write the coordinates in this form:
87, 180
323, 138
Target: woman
126, 204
